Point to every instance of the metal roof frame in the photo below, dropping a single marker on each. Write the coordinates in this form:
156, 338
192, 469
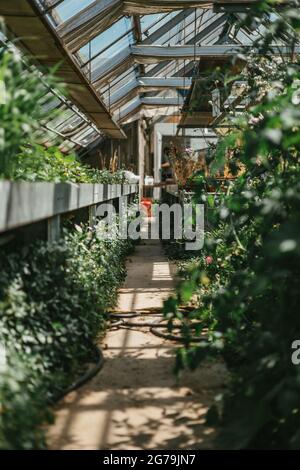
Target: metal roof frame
40, 40
162, 56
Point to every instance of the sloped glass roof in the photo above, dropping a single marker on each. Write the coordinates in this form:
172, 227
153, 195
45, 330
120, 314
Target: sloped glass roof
70, 124
112, 44
117, 45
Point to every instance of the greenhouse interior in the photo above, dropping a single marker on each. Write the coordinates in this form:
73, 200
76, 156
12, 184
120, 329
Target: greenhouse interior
149, 227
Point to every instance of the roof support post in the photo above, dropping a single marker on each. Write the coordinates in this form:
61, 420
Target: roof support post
141, 157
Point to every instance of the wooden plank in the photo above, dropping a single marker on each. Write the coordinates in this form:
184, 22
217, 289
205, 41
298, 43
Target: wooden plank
23, 203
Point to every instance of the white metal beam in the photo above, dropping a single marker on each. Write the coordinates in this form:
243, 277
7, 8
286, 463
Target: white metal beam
153, 102
144, 85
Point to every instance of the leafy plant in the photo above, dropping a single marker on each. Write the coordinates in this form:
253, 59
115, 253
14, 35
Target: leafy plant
40, 164
247, 279
52, 303
21, 110
27, 104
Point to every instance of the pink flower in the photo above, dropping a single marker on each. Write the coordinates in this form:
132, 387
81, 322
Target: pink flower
208, 259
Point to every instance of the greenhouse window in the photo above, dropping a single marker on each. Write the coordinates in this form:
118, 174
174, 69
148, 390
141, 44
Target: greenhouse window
69, 8
107, 44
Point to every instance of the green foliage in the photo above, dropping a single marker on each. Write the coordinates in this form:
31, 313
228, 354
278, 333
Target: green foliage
21, 111
246, 281
23, 405
27, 104
40, 164
52, 303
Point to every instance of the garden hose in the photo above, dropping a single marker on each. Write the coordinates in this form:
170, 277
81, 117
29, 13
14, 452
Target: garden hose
123, 315
87, 376
154, 329
134, 315
169, 336
154, 326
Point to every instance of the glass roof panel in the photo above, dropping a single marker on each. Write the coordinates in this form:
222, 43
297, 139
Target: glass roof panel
106, 45
69, 8
148, 20
193, 26
88, 137
70, 124
117, 84
110, 41
85, 136
61, 118
151, 23
49, 103
128, 106
167, 69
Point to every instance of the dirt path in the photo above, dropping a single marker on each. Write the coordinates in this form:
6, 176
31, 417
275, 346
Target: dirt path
150, 279
135, 402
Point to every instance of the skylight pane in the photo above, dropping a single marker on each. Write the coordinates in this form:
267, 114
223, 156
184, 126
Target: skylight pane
69, 8
148, 20
109, 53
70, 124
117, 84
151, 23
106, 40
60, 119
